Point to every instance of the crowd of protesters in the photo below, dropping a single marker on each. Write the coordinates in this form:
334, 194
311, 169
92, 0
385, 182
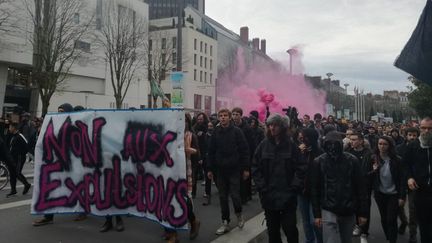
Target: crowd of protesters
326, 168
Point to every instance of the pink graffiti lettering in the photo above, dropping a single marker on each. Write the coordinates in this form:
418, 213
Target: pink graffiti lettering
144, 142
46, 186
75, 139
141, 191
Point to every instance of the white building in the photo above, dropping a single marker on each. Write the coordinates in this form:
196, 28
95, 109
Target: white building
199, 60
228, 43
89, 82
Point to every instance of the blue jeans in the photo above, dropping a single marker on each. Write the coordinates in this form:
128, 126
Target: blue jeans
312, 233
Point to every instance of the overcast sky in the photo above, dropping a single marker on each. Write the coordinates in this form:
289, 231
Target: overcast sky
356, 40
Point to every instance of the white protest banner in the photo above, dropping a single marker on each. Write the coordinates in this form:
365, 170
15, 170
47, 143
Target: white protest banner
113, 162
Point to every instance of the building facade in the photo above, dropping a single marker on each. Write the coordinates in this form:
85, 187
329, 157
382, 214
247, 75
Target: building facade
199, 61
159, 9
88, 82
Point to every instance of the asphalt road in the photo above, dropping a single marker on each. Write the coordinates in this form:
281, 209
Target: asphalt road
16, 223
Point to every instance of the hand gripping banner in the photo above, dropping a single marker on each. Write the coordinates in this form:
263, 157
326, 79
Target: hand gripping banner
113, 162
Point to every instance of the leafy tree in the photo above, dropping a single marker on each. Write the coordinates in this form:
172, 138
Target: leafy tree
420, 99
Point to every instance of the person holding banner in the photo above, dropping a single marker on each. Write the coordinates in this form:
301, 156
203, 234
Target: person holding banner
191, 150
18, 151
49, 218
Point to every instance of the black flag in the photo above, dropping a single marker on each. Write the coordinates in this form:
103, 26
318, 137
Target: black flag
416, 57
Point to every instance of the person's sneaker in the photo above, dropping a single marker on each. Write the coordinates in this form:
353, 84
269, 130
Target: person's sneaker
42, 221
363, 238
26, 189
240, 221
225, 228
11, 193
356, 231
194, 230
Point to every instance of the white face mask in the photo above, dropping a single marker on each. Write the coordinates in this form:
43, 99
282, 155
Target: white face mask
426, 139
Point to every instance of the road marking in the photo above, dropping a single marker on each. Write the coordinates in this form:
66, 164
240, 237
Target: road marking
15, 204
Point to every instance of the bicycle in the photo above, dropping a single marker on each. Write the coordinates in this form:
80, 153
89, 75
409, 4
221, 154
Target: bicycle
4, 175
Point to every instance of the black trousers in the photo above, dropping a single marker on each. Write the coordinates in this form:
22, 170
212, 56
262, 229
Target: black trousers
282, 218
246, 189
208, 182
388, 206
365, 228
15, 169
423, 207
412, 217
228, 184
195, 172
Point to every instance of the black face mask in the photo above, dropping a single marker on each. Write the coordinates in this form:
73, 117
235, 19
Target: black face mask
210, 130
333, 149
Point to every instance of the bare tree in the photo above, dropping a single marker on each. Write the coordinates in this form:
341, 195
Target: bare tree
7, 18
4, 14
123, 36
57, 42
162, 58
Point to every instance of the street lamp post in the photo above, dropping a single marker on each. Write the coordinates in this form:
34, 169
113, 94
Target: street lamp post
291, 52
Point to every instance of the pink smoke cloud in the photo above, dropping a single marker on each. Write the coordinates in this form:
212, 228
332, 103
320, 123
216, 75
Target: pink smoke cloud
254, 87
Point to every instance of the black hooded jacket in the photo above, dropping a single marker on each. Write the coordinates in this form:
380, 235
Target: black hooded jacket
338, 184
418, 164
278, 171
228, 150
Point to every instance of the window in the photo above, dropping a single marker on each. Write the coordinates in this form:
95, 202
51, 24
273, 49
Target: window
195, 44
174, 58
205, 77
76, 18
211, 64
163, 58
201, 46
195, 59
211, 77
205, 48
211, 50
150, 44
150, 59
195, 74
82, 45
200, 76
205, 62
174, 42
197, 101
201, 61
163, 43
